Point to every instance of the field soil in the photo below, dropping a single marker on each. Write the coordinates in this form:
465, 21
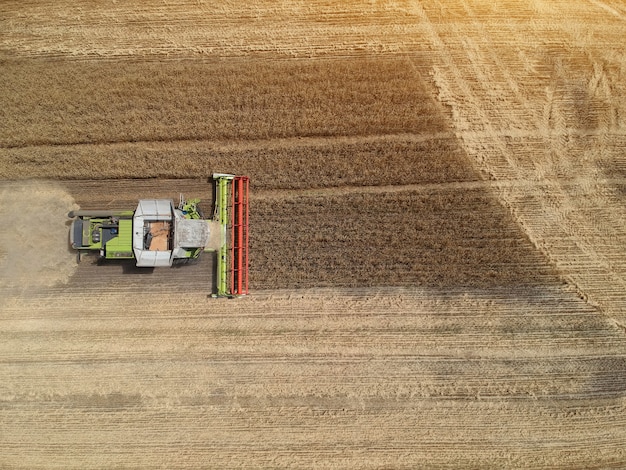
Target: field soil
437, 259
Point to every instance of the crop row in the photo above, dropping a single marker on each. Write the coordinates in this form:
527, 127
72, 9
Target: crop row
443, 238
48, 102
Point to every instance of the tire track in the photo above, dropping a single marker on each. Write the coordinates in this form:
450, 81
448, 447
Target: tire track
556, 219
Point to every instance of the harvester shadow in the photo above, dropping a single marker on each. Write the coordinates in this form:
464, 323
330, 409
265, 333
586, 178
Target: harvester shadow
129, 267
108, 266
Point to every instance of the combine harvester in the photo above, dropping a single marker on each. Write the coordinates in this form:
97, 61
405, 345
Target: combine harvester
159, 234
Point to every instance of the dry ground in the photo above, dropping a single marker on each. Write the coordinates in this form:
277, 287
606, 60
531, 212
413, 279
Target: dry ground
437, 235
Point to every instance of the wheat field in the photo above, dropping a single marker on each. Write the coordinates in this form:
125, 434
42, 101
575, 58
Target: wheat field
437, 237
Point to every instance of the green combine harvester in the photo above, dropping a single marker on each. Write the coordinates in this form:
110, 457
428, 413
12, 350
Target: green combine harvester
158, 233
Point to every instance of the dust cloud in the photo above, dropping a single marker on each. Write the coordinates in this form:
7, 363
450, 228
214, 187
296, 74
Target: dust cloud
34, 240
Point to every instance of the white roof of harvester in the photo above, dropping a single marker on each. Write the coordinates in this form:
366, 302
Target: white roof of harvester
188, 233
151, 210
155, 209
